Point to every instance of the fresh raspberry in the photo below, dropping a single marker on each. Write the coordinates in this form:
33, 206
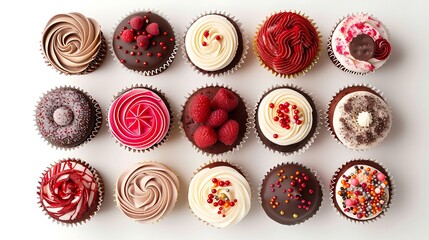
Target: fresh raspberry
153, 29
143, 41
127, 35
136, 22
228, 132
199, 108
204, 136
225, 99
217, 118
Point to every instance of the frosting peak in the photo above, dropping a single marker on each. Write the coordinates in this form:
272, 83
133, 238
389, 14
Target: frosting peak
364, 119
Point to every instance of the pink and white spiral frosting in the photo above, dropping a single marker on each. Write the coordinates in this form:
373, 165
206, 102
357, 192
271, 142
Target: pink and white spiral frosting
146, 191
139, 118
69, 191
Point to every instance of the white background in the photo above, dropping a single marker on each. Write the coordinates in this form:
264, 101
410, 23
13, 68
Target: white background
25, 78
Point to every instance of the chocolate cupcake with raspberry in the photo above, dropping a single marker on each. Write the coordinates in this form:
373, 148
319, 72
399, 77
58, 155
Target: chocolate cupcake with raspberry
144, 42
215, 120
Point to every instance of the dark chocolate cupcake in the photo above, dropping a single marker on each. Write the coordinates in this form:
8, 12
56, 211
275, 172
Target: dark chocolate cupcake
67, 117
290, 193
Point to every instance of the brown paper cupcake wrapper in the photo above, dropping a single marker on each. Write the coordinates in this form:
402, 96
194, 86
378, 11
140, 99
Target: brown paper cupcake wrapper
328, 127
331, 51
246, 133
244, 39
294, 75
156, 90
116, 202
316, 131
392, 192
299, 164
101, 191
97, 124
234, 166
168, 61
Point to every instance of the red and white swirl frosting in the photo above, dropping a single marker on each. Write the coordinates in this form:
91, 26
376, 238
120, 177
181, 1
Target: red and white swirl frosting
287, 43
139, 118
69, 190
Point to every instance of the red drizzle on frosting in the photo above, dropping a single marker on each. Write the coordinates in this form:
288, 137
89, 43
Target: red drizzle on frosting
287, 43
382, 49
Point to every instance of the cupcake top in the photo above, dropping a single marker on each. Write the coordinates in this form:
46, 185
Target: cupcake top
287, 43
144, 42
66, 117
212, 42
361, 43
360, 117
70, 191
214, 119
139, 118
219, 194
286, 118
146, 191
361, 190
71, 42
290, 194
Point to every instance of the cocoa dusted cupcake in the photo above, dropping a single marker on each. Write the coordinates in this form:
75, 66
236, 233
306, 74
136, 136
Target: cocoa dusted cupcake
361, 190
219, 194
144, 42
70, 191
288, 44
215, 120
215, 44
67, 117
359, 44
73, 44
290, 193
359, 117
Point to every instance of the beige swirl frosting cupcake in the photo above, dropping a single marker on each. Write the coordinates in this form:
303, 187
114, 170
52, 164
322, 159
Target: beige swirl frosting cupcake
73, 43
146, 191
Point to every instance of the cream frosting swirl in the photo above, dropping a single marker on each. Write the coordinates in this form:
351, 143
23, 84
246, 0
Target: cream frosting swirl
351, 27
234, 192
289, 101
211, 42
71, 42
147, 191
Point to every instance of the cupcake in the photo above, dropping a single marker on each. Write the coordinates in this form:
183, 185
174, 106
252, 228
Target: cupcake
73, 44
219, 194
140, 118
144, 42
286, 119
214, 119
70, 192
288, 44
67, 117
214, 44
290, 193
358, 117
361, 190
147, 191
359, 44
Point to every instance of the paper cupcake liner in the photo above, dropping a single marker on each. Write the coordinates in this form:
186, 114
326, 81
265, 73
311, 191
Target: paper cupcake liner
116, 203
245, 42
294, 75
157, 91
101, 192
234, 166
392, 192
331, 51
316, 131
309, 169
328, 127
168, 61
246, 133
97, 123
